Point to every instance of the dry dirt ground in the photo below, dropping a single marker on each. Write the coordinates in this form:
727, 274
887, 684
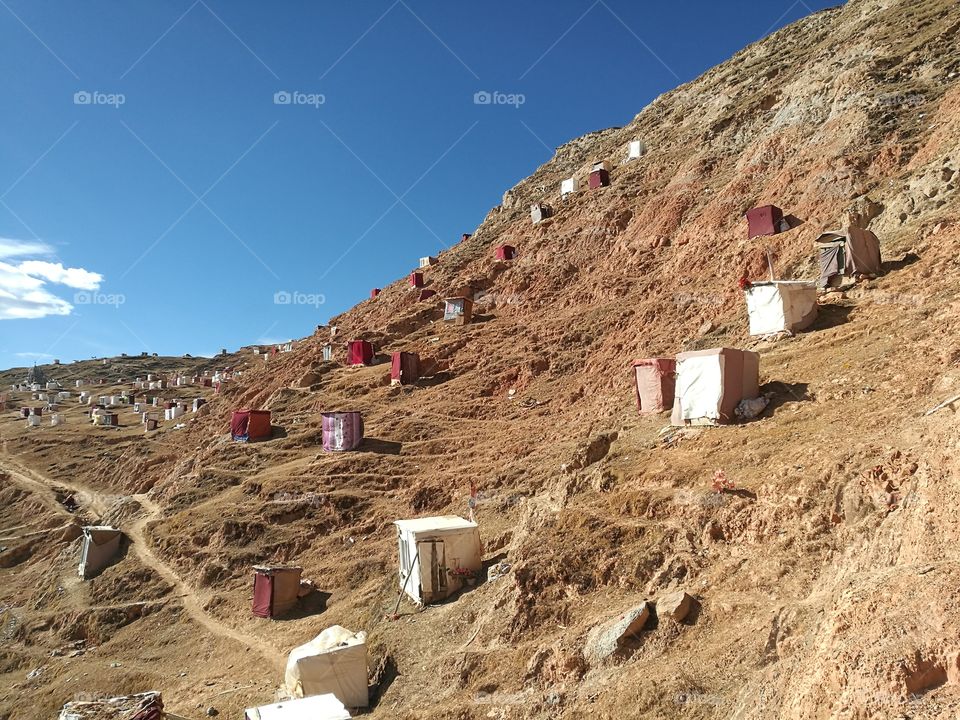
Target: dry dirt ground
827, 580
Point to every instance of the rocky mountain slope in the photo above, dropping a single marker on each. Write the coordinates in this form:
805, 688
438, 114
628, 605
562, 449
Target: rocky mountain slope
827, 582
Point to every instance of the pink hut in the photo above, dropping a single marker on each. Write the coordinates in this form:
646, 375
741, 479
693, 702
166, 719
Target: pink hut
342, 431
505, 252
765, 220
404, 368
359, 352
416, 280
426, 294
654, 382
374, 292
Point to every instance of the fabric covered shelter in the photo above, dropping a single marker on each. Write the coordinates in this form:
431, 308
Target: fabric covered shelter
359, 352
276, 589
765, 220
342, 431
568, 186
598, 178
780, 306
654, 382
846, 254
459, 309
416, 280
426, 294
436, 554
539, 212
316, 707
404, 368
246, 425
334, 662
100, 544
711, 383
428, 261
505, 252
374, 292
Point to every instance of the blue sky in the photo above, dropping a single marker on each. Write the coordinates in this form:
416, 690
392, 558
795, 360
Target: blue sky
169, 169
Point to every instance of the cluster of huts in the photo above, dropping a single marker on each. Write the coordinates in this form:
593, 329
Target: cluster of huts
439, 556
151, 408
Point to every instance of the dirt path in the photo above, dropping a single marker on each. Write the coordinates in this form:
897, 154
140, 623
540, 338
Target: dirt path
91, 501
192, 602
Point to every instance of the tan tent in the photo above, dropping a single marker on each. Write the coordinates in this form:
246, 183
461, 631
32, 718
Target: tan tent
333, 662
711, 383
844, 254
100, 544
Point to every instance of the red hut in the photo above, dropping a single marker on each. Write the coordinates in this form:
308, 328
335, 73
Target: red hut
359, 352
275, 589
246, 425
465, 237
416, 280
765, 220
505, 252
426, 294
374, 292
599, 178
404, 368
655, 381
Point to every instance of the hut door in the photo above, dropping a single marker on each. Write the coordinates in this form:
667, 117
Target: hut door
263, 595
433, 579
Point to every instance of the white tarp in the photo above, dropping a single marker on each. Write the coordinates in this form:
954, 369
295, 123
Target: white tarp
568, 186
333, 662
318, 707
699, 386
781, 306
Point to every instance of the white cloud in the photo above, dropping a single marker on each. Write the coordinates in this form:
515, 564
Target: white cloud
57, 273
33, 355
23, 287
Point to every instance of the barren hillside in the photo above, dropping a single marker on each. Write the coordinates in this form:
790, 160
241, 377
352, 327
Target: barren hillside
828, 582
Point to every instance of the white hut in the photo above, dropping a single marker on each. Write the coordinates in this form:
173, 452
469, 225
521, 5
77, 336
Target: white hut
438, 556
781, 306
568, 186
100, 544
317, 707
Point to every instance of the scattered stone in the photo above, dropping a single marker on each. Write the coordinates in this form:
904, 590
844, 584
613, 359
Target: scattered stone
605, 640
212, 711
676, 606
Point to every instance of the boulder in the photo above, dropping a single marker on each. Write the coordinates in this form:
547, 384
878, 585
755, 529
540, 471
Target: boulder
675, 605
604, 640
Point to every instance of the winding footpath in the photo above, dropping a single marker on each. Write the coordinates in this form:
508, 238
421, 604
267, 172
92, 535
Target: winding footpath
192, 601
